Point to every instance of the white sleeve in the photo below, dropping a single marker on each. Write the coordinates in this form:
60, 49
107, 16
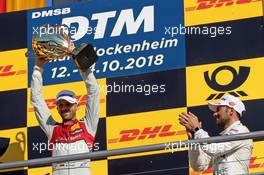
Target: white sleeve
199, 160
93, 101
42, 112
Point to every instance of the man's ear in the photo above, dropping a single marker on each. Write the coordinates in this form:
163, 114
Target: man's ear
232, 110
77, 107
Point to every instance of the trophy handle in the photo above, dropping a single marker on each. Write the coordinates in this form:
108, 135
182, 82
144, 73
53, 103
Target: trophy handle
84, 56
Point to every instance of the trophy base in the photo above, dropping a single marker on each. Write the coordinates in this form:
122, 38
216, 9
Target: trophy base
84, 56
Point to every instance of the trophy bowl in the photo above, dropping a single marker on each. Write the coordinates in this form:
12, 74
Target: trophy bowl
51, 42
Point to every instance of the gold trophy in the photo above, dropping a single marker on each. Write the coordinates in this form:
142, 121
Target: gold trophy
51, 42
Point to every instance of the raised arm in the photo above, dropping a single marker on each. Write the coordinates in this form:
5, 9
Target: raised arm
93, 101
42, 112
199, 160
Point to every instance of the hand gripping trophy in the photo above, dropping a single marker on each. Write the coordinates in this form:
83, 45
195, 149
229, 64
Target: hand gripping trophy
52, 42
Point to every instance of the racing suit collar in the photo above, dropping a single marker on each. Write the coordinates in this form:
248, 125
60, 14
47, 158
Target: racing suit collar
69, 123
229, 128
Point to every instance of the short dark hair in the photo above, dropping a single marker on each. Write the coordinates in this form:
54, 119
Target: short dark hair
235, 111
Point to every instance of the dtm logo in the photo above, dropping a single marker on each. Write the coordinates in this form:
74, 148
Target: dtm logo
207, 4
6, 71
54, 12
125, 19
146, 133
238, 79
51, 103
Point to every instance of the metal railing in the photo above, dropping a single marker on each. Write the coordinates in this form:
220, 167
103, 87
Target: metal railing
139, 149
259, 173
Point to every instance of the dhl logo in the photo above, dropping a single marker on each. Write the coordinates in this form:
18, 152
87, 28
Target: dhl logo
146, 133
207, 4
7, 71
252, 165
51, 103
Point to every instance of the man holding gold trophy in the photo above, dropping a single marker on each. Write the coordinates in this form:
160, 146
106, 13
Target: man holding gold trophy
72, 136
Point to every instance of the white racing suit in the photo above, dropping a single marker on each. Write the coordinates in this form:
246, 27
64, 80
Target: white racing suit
226, 158
70, 137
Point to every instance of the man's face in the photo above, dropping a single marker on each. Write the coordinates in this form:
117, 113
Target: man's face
222, 116
66, 110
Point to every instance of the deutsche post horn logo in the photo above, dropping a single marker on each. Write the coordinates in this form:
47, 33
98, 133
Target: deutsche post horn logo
238, 79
